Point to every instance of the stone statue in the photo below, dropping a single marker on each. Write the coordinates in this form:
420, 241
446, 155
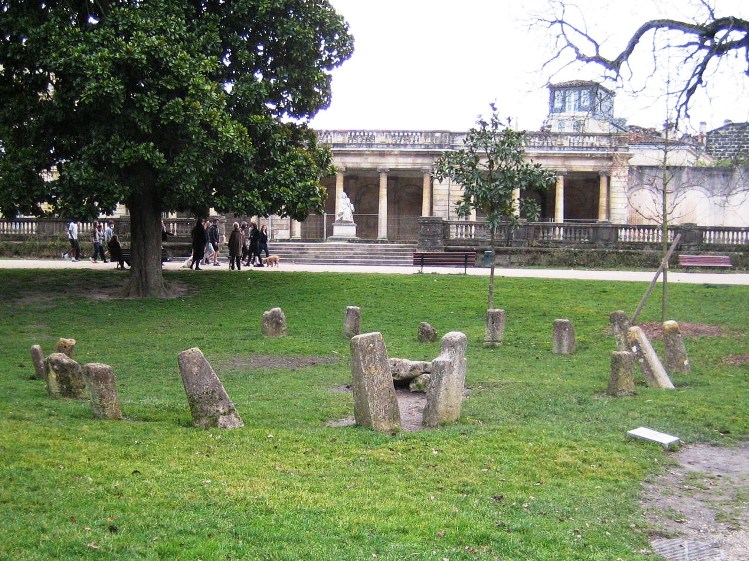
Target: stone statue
346, 212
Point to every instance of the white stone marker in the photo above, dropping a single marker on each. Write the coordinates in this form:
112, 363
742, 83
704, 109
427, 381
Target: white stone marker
564, 337
665, 440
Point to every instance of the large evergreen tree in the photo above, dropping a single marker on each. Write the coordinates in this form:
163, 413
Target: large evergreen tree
164, 105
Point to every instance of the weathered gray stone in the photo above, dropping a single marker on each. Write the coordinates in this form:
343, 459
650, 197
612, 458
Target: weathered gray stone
620, 324
375, 403
274, 323
445, 390
352, 322
404, 370
210, 405
426, 334
37, 357
420, 384
102, 388
64, 377
649, 363
66, 347
677, 360
494, 333
622, 378
564, 337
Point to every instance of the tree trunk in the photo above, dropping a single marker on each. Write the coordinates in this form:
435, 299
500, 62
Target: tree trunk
146, 278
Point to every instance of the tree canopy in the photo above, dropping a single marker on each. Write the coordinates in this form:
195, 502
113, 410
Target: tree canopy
698, 46
496, 179
164, 105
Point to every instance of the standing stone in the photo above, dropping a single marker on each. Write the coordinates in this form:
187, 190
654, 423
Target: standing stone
64, 377
37, 357
352, 322
620, 324
650, 364
274, 323
676, 353
375, 403
445, 389
209, 403
426, 334
66, 347
622, 378
494, 333
102, 388
564, 337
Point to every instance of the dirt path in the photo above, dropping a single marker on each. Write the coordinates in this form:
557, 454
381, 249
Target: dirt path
698, 510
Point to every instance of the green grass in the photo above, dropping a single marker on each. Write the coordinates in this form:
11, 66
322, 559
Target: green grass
538, 468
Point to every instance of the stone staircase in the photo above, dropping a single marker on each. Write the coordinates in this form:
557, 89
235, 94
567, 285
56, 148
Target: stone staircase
343, 253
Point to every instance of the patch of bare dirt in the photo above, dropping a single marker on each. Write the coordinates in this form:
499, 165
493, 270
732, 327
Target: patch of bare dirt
736, 360
260, 362
654, 330
699, 509
411, 406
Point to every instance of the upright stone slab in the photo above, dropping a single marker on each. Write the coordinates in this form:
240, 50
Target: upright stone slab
648, 361
620, 324
677, 360
352, 322
66, 347
622, 378
426, 333
37, 357
564, 337
375, 403
445, 389
494, 333
102, 388
209, 403
64, 377
274, 323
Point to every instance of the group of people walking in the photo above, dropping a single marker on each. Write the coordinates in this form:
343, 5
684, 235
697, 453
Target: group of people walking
101, 236
246, 244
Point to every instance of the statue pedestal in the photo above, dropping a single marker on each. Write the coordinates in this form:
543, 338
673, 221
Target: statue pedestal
343, 231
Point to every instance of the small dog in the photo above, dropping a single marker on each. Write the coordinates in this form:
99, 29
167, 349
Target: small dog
272, 261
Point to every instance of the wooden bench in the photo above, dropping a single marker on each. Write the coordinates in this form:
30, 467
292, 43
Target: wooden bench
716, 261
126, 256
463, 259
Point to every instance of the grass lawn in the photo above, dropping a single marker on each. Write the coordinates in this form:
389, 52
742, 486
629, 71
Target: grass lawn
538, 468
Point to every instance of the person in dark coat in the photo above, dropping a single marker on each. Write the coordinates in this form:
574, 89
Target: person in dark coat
115, 251
236, 240
254, 244
199, 239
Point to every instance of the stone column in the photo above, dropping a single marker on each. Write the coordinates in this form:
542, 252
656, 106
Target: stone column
426, 192
37, 357
445, 389
352, 322
494, 332
564, 337
296, 230
650, 364
603, 196
375, 403
676, 353
66, 347
620, 324
64, 377
102, 387
338, 190
622, 379
559, 198
210, 405
382, 215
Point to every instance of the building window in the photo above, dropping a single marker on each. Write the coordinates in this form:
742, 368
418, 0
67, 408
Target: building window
571, 105
558, 101
585, 99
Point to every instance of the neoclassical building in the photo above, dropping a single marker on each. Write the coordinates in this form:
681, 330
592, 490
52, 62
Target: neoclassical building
604, 171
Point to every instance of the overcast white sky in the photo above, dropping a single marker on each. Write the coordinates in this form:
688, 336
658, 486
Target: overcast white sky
437, 64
